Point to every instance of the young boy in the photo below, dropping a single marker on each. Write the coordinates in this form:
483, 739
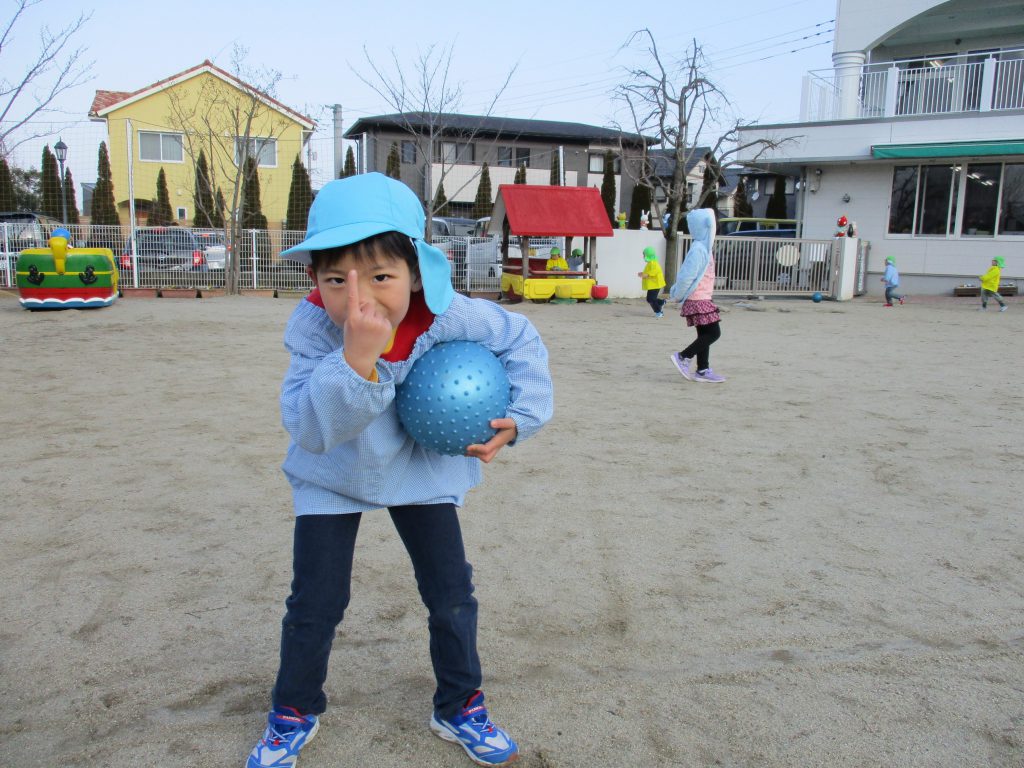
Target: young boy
653, 281
555, 262
891, 278
990, 284
382, 298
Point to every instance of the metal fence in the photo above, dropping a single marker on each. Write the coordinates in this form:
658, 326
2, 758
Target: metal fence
773, 265
198, 256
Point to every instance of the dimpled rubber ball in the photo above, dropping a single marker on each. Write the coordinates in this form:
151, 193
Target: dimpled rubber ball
816, 298
450, 396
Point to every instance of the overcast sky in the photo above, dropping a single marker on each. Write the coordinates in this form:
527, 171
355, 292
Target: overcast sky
567, 56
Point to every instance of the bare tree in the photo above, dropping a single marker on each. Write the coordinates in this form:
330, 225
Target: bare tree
426, 103
55, 68
212, 110
674, 102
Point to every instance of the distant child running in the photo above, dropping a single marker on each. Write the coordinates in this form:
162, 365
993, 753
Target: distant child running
653, 281
382, 297
990, 284
891, 278
694, 287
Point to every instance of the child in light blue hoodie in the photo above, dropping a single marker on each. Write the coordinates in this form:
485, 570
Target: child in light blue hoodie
891, 278
382, 299
693, 288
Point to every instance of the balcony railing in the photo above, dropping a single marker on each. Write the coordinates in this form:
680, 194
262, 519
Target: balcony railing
965, 84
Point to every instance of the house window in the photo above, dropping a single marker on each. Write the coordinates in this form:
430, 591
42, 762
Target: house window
453, 152
925, 198
408, 151
596, 163
522, 157
505, 157
182, 214
160, 147
263, 150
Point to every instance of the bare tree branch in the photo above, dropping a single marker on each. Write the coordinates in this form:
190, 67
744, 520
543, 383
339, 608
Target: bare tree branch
425, 109
55, 69
676, 104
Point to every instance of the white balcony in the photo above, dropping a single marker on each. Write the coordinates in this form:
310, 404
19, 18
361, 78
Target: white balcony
978, 83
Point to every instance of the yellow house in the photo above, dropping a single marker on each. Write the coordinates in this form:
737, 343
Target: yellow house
203, 109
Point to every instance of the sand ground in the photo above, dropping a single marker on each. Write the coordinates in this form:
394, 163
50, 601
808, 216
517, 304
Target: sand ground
818, 563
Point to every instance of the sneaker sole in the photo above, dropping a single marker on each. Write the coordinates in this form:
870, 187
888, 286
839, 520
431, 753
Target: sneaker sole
444, 734
699, 380
686, 375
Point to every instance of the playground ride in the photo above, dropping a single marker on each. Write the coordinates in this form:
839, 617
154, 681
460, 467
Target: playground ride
62, 277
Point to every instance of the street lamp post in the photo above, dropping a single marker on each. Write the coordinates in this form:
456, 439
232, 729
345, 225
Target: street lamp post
61, 150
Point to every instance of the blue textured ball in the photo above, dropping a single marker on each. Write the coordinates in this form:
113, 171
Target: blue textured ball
450, 396
816, 298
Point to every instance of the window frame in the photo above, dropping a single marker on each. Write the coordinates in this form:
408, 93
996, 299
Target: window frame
407, 150
161, 136
257, 150
960, 168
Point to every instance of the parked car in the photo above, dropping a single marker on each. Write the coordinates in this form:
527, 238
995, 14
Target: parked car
214, 249
747, 227
22, 229
443, 236
166, 249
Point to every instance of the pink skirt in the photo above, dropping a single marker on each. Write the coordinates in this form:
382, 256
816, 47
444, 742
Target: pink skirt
701, 312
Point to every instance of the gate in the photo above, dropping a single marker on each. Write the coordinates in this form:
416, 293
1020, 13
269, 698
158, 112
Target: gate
774, 265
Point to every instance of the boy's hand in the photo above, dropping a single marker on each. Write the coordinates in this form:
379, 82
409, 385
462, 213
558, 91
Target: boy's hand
506, 434
367, 331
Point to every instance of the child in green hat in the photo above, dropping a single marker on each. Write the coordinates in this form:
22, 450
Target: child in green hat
653, 280
990, 284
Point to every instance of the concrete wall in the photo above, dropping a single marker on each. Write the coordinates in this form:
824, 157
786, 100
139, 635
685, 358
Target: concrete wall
620, 257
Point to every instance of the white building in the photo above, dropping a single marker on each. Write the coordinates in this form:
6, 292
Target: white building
917, 135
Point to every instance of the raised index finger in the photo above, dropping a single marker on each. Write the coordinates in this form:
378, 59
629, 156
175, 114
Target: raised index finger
352, 284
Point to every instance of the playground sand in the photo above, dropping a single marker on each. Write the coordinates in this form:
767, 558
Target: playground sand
818, 563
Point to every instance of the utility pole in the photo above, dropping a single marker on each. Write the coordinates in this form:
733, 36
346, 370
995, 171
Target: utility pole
339, 149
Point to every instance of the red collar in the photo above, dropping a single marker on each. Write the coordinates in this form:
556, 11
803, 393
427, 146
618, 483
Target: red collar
416, 321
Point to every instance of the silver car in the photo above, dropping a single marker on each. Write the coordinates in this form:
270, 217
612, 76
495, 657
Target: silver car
214, 249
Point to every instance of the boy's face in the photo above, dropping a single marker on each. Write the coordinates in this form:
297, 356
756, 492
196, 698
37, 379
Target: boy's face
385, 283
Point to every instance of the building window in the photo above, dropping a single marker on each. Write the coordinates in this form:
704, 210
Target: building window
925, 200
263, 150
981, 198
182, 213
408, 151
504, 157
453, 152
160, 147
1011, 208
522, 157
596, 163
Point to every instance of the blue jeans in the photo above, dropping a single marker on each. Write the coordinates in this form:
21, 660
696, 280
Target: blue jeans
321, 586
890, 294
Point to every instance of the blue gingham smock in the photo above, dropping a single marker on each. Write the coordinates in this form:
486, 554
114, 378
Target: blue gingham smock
348, 451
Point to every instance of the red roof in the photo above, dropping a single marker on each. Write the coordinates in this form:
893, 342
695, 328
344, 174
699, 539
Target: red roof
542, 211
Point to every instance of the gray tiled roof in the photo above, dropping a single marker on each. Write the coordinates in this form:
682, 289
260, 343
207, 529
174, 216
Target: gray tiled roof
510, 127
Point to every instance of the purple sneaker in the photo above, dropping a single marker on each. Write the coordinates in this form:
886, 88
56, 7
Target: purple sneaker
708, 375
683, 364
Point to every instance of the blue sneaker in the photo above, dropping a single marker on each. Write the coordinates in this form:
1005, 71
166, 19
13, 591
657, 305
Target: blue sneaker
287, 732
472, 729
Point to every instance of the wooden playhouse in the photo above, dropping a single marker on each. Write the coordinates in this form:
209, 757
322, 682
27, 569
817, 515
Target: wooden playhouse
531, 211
